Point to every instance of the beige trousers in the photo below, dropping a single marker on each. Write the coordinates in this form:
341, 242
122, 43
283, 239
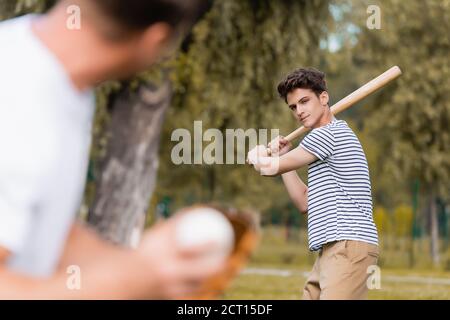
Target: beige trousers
341, 271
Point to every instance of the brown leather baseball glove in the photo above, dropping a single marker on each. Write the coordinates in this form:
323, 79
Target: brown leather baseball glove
246, 238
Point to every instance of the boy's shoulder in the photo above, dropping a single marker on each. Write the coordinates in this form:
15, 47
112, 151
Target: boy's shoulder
332, 127
336, 126
336, 129
336, 123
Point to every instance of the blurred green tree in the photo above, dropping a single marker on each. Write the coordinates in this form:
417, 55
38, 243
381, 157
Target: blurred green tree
403, 222
226, 77
411, 118
381, 219
12, 8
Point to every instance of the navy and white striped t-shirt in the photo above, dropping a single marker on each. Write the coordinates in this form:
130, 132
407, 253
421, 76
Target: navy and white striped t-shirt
339, 193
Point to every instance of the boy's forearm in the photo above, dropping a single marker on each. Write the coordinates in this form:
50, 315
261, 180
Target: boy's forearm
293, 160
297, 190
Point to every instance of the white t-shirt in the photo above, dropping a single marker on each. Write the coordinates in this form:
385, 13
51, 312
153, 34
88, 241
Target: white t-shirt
45, 135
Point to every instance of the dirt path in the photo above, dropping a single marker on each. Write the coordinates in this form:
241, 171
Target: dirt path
390, 278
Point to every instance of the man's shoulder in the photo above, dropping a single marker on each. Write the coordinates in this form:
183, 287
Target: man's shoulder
10, 23
13, 30
16, 49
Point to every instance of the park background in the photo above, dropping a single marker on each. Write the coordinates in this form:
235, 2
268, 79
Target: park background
225, 74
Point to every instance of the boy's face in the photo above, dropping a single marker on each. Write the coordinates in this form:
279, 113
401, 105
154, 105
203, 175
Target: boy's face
306, 106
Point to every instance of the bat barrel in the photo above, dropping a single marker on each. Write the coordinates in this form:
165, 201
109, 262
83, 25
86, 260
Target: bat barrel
367, 89
356, 96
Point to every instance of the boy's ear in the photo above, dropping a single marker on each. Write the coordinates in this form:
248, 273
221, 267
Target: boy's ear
324, 98
157, 35
152, 44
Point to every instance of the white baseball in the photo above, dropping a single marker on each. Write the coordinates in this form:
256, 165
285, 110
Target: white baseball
206, 225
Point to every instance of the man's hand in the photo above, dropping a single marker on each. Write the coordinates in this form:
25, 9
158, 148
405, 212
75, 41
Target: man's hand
173, 273
279, 146
156, 270
4, 254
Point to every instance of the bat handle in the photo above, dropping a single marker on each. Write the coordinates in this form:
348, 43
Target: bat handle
296, 133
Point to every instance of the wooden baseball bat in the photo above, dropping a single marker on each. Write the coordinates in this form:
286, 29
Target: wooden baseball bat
356, 96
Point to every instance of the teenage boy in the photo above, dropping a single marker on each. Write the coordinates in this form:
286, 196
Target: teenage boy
337, 198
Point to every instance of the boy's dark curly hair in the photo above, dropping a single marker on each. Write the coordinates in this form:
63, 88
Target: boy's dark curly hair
304, 78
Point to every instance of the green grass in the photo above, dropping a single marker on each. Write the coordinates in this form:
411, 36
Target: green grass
265, 287
397, 278
276, 287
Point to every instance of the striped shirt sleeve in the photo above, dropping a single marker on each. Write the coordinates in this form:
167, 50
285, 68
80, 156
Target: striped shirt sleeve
319, 142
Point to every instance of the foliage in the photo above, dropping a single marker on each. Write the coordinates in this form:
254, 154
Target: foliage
12, 8
227, 79
381, 219
403, 221
227, 71
411, 119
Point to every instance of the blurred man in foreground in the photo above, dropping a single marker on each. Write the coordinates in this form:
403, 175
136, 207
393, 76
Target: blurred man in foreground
47, 106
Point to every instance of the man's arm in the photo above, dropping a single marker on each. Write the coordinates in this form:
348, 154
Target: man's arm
297, 190
112, 285
155, 270
105, 272
4, 254
83, 246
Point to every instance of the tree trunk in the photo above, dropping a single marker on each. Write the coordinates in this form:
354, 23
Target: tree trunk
129, 169
434, 229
